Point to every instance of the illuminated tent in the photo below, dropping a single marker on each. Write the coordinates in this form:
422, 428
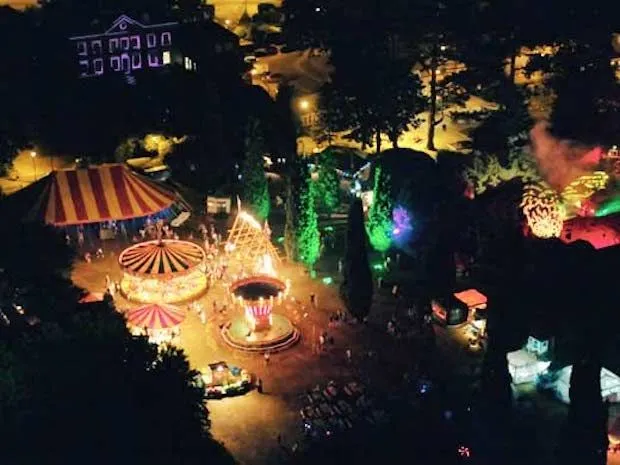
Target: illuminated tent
161, 258
93, 195
156, 316
599, 232
168, 271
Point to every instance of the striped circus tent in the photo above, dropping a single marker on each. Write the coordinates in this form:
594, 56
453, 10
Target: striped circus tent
161, 258
94, 195
156, 316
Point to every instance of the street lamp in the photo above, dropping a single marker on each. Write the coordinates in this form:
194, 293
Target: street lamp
33, 155
304, 104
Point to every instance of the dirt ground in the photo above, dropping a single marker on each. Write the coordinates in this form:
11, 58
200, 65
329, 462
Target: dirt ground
249, 425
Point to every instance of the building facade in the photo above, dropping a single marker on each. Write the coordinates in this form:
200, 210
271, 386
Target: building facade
127, 46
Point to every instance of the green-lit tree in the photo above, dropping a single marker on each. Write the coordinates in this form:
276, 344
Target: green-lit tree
307, 231
294, 179
379, 225
356, 289
327, 187
255, 191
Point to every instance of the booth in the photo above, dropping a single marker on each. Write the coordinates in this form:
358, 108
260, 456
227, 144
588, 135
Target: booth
449, 311
524, 366
218, 205
220, 379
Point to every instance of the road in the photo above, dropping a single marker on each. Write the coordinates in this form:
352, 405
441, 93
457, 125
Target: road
233, 9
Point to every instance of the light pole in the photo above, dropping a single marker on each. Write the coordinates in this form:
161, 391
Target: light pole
33, 155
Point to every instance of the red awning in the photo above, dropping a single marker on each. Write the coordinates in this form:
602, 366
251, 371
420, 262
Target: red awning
471, 297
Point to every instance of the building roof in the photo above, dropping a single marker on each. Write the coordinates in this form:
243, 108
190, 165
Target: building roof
471, 297
92, 195
521, 358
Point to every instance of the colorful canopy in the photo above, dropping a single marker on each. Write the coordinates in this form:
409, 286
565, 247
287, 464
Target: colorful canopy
161, 258
599, 232
156, 316
471, 297
93, 195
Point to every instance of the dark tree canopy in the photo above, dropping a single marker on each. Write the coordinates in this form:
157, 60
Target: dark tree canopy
357, 286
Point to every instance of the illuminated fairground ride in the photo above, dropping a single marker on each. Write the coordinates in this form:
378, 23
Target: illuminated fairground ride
256, 295
259, 329
163, 271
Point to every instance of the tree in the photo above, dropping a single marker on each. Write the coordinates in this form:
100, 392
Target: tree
436, 39
255, 190
357, 287
486, 171
35, 270
379, 225
301, 232
327, 186
307, 231
371, 95
290, 222
93, 369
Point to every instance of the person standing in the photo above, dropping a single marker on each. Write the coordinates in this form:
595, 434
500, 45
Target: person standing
259, 385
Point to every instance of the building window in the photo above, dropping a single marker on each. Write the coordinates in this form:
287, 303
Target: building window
166, 39
84, 69
166, 58
82, 50
194, 66
125, 63
151, 40
135, 42
113, 45
125, 43
98, 65
115, 63
136, 60
188, 63
95, 46
154, 60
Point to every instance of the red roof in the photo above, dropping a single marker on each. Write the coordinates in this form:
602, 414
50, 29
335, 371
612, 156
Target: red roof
471, 297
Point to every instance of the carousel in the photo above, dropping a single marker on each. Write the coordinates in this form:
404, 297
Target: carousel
259, 329
159, 322
164, 270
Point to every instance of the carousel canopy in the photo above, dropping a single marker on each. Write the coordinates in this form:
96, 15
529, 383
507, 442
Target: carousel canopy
161, 258
92, 195
156, 316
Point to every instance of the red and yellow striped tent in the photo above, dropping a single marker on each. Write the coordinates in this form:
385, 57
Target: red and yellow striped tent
156, 316
95, 194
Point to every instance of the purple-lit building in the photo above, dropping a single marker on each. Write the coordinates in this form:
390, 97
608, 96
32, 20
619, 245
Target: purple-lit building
125, 47
129, 46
